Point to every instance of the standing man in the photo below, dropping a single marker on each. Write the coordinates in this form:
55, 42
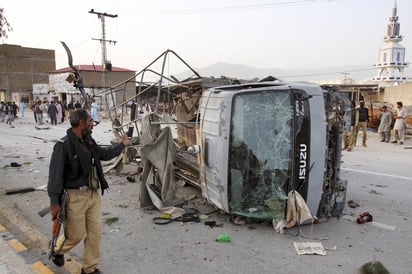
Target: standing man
52, 111
59, 112
95, 115
64, 109
22, 108
143, 108
3, 107
348, 128
44, 108
77, 105
39, 113
354, 121
75, 166
70, 108
385, 124
9, 113
400, 124
363, 123
15, 110
133, 111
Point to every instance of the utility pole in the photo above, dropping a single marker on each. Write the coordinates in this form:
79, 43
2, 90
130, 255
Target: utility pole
346, 80
101, 16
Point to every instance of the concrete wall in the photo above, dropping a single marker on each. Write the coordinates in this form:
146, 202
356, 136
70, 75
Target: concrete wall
394, 94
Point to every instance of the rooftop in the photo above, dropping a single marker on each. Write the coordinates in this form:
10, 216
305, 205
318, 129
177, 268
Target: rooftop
89, 68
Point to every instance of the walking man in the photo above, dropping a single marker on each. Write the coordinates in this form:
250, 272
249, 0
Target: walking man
75, 166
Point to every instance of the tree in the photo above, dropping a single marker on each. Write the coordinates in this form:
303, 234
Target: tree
4, 25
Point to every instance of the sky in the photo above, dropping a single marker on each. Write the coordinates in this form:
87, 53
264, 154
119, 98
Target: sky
283, 34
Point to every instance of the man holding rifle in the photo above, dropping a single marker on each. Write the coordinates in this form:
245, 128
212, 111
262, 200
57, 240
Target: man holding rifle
76, 171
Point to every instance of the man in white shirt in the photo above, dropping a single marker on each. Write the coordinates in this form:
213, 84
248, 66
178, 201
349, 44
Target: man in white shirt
143, 108
400, 124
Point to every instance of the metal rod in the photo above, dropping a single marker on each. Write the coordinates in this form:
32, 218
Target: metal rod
172, 123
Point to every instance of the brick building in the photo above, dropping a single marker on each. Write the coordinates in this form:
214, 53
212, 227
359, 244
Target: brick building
28, 74
20, 68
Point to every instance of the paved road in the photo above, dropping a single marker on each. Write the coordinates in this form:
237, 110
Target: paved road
379, 177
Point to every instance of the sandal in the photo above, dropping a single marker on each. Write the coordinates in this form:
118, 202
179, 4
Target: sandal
364, 217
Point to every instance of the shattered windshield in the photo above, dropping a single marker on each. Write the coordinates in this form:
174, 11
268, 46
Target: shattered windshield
260, 151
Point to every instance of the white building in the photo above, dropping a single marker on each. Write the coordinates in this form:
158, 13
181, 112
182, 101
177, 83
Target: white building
392, 55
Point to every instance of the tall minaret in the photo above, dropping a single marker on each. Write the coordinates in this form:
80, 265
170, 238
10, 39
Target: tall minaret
392, 54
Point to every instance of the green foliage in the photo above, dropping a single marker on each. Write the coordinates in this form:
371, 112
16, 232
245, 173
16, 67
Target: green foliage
4, 25
374, 267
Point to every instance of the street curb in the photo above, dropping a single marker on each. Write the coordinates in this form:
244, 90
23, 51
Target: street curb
18, 247
71, 264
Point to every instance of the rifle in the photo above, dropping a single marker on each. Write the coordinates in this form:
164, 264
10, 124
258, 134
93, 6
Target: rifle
57, 224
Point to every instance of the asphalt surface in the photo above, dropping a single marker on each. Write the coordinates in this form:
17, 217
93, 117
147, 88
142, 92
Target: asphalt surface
379, 182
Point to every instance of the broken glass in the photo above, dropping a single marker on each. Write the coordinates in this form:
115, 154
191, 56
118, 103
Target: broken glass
260, 154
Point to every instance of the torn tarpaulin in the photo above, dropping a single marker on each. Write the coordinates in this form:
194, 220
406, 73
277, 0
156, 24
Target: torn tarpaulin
158, 155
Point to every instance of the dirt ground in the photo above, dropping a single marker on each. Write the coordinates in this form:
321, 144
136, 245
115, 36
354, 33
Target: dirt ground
379, 181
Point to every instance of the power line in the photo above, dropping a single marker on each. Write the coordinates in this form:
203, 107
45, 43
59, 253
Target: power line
255, 6
327, 73
241, 7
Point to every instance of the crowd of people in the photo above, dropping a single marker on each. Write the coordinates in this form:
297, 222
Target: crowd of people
53, 112
44, 110
8, 112
355, 119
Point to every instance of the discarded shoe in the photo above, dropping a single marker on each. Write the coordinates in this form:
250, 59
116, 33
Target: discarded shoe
130, 179
364, 217
353, 204
58, 259
14, 164
96, 271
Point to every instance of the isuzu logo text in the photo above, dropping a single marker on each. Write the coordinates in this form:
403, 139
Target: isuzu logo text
302, 160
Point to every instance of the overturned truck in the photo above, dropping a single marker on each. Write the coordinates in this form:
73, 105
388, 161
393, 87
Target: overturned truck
246, 145
258, 142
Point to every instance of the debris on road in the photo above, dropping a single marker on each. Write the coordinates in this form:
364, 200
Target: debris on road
353, 204
309, 248
364, 217
223, 238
